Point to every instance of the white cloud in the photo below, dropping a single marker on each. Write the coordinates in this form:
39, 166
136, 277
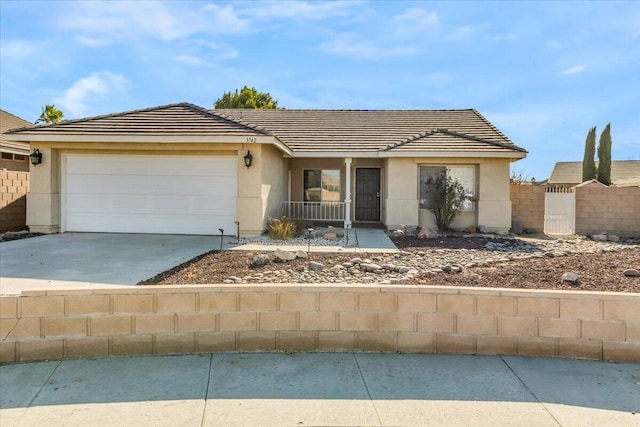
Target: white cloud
16, 49
85, 89
123, 21
223, 20
413, 22
462, 33
299, 10
355, 47
417, 17
188, 59
511, 37
221, 51
573, 70
92, 41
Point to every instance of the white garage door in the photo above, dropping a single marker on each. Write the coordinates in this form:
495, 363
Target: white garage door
150, 194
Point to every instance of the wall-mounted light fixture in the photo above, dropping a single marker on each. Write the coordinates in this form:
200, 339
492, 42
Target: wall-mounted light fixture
36, 157
248, 159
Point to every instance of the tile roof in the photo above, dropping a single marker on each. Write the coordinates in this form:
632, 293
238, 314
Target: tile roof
9, 122
173, 119
376, 130
446, 140
570, 173
318, 131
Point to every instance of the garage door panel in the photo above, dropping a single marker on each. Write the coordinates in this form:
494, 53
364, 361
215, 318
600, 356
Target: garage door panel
141, 165
215, 205
178, 185
104, 200
161, 224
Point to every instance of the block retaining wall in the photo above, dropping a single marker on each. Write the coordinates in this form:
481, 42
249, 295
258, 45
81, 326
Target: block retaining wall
615, 210
527, 204
39, 325
14, 187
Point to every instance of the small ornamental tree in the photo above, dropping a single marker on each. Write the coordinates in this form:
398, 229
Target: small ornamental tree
50, 114
588, 161
604, 156
448, 197
247, 98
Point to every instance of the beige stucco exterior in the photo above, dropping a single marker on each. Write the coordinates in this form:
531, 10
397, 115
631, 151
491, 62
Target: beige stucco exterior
261, 188
274, 176
493, 206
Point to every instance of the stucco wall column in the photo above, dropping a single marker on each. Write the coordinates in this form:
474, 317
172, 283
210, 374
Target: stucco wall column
402, 192
249, 206
43, 199
494, 203
347, 193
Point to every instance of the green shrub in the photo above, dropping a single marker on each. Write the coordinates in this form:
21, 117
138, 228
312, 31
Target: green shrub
448, 198
282, 229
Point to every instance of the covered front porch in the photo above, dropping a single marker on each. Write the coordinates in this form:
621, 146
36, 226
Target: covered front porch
340, 190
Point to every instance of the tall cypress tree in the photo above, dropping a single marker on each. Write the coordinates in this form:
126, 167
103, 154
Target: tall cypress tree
588, 162
604, 156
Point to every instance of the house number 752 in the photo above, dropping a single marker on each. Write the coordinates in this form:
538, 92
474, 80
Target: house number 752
251, 140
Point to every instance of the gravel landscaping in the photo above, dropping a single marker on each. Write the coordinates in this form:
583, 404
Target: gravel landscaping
477, 260
17, 235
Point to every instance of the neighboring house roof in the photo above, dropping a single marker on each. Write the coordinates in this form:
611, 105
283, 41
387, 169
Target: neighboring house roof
379, 130
623, 172
320, 132
9, 122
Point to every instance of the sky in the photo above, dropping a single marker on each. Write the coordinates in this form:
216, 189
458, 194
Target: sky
543, 72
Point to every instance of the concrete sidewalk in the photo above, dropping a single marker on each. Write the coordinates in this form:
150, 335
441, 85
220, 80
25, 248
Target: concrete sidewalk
275, 389
368, 240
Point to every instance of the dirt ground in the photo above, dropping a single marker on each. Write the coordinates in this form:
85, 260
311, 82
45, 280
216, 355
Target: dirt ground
602, 271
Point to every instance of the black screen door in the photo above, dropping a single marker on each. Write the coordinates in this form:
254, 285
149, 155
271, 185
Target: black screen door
367, 194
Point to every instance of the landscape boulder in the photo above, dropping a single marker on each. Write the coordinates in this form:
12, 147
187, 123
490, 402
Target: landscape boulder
370, 267
631, 272
570, 277
260, 260
427, 233
315, 266
282, 255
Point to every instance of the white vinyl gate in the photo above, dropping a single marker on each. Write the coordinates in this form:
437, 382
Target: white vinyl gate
559, 210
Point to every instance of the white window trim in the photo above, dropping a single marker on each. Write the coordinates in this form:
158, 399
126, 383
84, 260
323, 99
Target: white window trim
469, 205
321, 171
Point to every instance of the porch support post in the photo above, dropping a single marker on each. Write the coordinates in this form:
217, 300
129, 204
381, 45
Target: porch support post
347, 195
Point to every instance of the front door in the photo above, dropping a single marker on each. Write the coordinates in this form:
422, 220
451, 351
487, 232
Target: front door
367, 194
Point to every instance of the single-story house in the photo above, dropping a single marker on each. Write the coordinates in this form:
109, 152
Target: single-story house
569, 174
184, 169
14, 155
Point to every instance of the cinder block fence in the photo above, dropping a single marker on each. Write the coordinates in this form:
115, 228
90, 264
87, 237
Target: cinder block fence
14, 187
421, 319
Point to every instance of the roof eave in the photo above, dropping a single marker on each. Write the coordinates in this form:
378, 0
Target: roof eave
334, 154
461, 153
14, 150
158, 138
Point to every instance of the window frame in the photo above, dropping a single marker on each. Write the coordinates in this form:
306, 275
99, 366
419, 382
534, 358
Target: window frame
321, 170
12, 157
468, 205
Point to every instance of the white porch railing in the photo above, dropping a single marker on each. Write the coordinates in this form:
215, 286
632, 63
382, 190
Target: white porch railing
316, 211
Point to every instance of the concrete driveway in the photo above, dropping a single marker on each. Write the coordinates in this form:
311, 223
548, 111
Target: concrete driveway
83, 259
